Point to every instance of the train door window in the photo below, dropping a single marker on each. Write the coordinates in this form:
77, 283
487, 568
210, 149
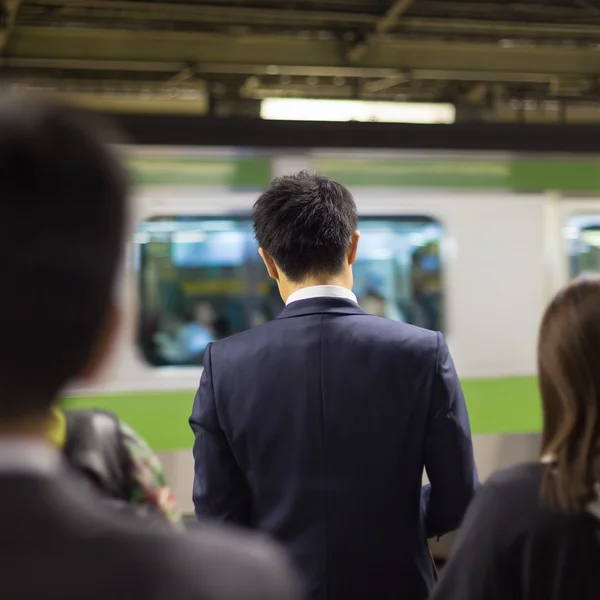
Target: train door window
582, 233
201, 279
398, 271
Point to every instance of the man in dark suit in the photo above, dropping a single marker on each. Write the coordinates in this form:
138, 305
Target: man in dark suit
62, 229
316, 426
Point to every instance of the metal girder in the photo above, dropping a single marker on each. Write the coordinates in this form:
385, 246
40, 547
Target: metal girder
499, 28
386, 83
184, 75
161, 11
586, 5
76, 64
383, 78
115, 87
176, 67
128, 104
486, 9
270, 50
10, 8
189, 12
385, 23
391, 16
498, 77
119, 96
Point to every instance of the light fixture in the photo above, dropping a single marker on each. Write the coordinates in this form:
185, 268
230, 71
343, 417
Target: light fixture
303, 109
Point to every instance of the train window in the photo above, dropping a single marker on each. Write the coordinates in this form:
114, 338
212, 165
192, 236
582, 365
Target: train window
201, 279
583, 243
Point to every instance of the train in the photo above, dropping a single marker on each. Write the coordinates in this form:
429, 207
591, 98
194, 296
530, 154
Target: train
472, 244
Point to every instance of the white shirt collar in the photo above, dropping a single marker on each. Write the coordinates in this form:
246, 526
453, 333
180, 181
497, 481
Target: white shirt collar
27, 455
320, 291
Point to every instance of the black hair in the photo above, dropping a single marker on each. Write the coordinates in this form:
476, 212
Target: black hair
304, 222
62, 230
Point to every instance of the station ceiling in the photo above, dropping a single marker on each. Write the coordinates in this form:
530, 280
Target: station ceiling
194, 55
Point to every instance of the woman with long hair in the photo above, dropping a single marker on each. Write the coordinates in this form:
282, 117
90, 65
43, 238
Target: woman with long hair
533, 531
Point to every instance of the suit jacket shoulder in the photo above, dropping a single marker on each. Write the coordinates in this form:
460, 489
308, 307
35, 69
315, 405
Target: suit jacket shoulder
363, 327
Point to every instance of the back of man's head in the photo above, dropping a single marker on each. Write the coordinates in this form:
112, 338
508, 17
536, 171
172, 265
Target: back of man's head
62, 227
304, 222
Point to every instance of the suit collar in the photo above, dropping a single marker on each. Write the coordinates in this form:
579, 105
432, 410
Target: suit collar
321, 305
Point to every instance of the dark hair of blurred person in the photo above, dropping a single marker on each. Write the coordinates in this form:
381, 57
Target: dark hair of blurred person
63, 216
533, 531
61, 237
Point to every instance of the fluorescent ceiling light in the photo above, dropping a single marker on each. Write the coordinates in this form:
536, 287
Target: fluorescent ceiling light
303, 109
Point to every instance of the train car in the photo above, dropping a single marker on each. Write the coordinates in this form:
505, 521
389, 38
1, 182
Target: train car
471, 244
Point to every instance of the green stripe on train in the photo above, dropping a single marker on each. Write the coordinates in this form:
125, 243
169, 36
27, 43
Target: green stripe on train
228, 172
161, 168
511, 174
506, 405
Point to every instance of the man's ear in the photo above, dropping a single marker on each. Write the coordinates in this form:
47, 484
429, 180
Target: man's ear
270, 264
353, 247
104, 344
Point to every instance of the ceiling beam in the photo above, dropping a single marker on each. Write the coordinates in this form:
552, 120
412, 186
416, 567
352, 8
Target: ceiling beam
513, 30
163, 11
120, 96
391, 16
175, 67
384, 24
77, 64
493, 9
171, 71
268, 51
178, 11
386, 83
588, 6
10, 9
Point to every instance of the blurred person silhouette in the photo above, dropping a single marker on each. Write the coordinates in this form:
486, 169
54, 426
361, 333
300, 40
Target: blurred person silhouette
426, 279
183, 341
533, 531
376, 304
315, 427
115, 463
61, 238
373, 303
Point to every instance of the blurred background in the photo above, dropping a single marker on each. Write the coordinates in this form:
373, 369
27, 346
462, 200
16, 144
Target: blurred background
467, 130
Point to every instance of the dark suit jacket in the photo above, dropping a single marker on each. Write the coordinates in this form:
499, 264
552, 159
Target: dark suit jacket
315, 428
56, 543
